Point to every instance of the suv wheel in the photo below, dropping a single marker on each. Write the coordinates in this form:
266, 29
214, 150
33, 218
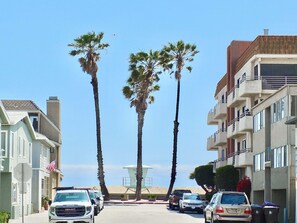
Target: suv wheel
181, 210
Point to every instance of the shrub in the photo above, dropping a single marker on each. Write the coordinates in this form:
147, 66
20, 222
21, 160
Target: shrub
4, 217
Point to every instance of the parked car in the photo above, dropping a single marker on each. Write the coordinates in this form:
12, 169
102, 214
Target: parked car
71, 205
228, 206
191, 202
175, 197
100, 198
94, 196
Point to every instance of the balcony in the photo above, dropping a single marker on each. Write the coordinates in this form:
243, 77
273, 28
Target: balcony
220, 110
241, 158
211, 118
245, 122
211, 144
249, 87
219, 163
244, 158
233, 98
220, 137
233, 129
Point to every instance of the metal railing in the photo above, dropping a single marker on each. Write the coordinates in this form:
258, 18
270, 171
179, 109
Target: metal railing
131, 182
268, 82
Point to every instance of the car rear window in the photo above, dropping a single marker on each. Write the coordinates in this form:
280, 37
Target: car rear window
233, 199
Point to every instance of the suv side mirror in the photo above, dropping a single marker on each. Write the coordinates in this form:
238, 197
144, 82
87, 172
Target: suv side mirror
50, 202
93, 201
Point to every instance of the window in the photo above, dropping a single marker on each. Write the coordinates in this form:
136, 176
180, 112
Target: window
259, 162
24, 147
278, 69
256, 72
280, 157
259, 121
3, 151
294, 105
14, 193
20, 146
278, 110
30, 153
223, 154
243, 144
12, 148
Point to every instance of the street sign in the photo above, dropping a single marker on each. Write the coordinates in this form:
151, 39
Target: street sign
22, 172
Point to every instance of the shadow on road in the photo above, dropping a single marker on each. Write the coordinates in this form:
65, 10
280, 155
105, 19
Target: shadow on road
190, 213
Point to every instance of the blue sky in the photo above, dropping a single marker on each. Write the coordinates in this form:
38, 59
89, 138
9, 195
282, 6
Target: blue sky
35, 64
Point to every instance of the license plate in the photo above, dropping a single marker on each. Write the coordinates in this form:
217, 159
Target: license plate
233, 211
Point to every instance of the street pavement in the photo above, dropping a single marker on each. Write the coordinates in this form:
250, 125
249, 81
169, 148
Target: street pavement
129, 213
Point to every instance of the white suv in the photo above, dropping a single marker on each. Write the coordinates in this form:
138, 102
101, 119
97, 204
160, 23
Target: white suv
71, 205
191, 202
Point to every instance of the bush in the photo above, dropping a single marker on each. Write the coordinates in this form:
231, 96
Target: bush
226, 178
4, 217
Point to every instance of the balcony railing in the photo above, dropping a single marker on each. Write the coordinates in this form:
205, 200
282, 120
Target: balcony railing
276, 82
253, 85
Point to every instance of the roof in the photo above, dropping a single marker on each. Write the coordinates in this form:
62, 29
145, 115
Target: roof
268, 44
221, 84
15, 117
20, 105
44, 139
3, 115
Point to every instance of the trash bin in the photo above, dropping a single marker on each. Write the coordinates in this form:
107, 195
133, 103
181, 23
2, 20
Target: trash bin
257, 213
270, 212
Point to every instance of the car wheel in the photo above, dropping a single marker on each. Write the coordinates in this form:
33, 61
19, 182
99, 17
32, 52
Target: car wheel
211, 220
181, 210
200, 211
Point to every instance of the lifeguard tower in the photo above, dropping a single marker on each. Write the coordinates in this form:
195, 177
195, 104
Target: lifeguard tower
130, 182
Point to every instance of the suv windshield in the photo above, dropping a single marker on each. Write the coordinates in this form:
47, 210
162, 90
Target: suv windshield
192, 197
71, 196
233, 199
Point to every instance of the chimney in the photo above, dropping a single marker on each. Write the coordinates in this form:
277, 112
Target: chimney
53, 110
266, 31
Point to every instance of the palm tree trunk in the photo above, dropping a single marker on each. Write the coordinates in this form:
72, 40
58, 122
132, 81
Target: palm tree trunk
100, 174
139, 155
175, 134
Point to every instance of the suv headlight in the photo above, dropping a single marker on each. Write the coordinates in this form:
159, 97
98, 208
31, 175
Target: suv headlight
52, 210
88, 209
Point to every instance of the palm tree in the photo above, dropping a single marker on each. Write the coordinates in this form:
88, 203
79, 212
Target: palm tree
89, 46
145, 69
177, 55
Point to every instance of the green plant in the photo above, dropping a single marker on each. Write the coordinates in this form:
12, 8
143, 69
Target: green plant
152, 196
4, 217
44, 200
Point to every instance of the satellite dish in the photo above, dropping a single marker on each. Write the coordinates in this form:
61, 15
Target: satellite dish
22, 172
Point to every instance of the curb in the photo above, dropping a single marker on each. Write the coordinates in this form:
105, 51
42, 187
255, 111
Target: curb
111, 202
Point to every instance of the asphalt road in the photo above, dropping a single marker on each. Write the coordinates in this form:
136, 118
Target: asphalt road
146, 213
130, 213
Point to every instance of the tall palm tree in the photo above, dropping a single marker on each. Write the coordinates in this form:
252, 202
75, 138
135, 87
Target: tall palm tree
145, 69
89, 46
178, 55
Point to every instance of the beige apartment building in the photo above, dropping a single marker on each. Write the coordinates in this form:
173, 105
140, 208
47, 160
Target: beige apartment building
252, 135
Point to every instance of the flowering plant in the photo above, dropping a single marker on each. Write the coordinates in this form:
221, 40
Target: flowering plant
244, 185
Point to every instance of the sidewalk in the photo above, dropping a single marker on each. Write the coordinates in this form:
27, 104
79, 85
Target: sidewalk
41, 217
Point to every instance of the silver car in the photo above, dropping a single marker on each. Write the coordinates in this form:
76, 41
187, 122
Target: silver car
228, 206
191, 202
